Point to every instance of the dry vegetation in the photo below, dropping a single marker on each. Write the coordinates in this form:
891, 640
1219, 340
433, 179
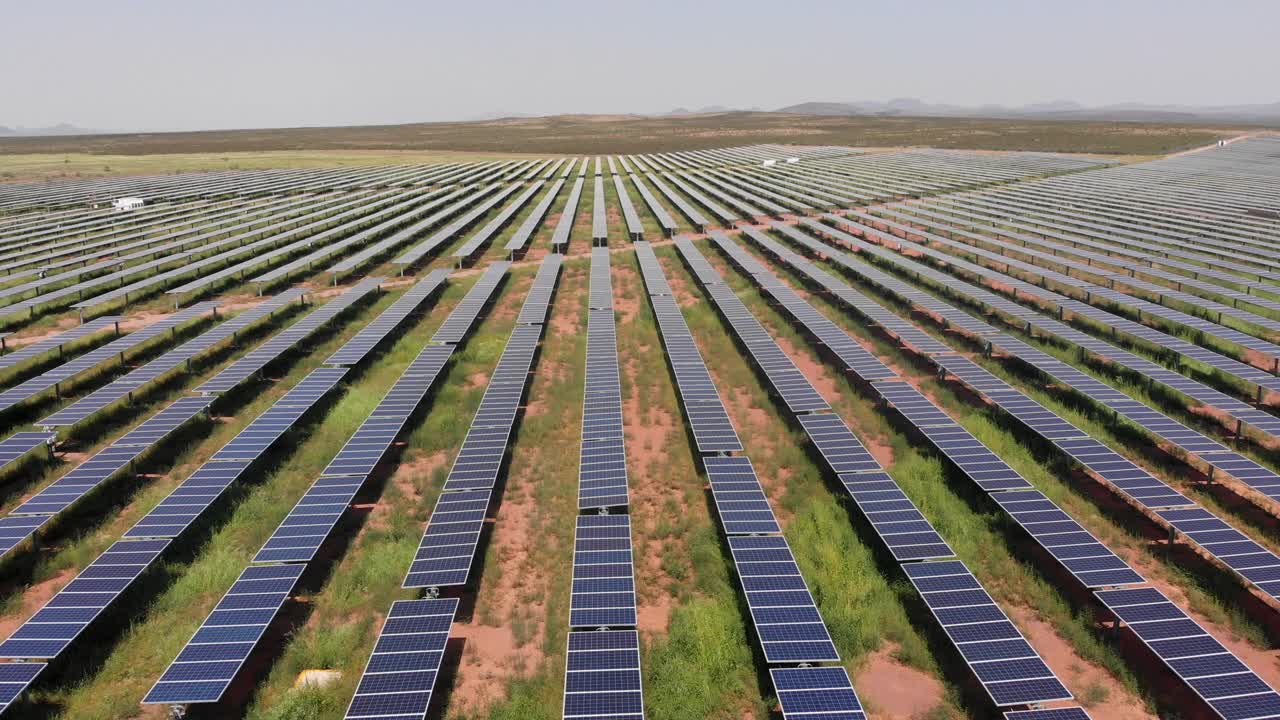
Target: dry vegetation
577, 134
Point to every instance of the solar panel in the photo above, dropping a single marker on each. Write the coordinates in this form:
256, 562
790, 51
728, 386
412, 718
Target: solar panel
374, 437
602, 676
839, 447
17, 445
1068, 713
476, 241
211, 658
1229, 546
740, 500
785, 617
704, 409
58, 341
459, 322
1209, 669
195, 494
355, 349
95, 470
447, 547
898, 522
602, 469
599, 225
530, 225
133, 381
560, 236
401, 673
1079, 552
258, 358
538, 301
55, 626
92, 360
603, 593
14, 678
784, 377
1008, 668
445, 234
816, 693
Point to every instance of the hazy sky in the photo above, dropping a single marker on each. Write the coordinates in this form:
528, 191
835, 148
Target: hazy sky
147, 64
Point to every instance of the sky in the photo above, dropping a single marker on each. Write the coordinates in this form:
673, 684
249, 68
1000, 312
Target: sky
152, 65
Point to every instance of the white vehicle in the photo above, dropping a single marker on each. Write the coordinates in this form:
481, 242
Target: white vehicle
127, 203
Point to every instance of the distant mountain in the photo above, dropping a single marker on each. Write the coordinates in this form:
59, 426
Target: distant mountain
1268, 113
59, 129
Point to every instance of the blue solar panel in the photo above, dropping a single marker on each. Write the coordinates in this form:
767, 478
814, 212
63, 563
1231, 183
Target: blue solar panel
182, 506
17, 445
904, 530
95, 470
113, 351
740, 501
401, 673
1253, 562
816, 693
14, 678
258, 358
603, 593
50, 630
984, 635
602, 473
211, 658
704, 409
602, 676
359, 346
447, 548
786, 618
175, 359
456, 327
1208, 668
58, 341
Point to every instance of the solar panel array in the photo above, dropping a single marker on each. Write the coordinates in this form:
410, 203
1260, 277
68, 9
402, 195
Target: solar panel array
1251, 561
783, 612
1065, 540
255, 360
1217, 539
602, 681
446, 552
1226, 463
69, 488
58, 341
602, 469
180, 357
359, 346
704, 409
54, 378
458, 324
400, 676
308, 524
1006, 665
49, 632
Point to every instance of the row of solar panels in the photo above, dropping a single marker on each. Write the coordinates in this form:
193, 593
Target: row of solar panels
1065, 540
211, 659
48, 633
1133, 482
784, 615
1005, 664
602, 673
